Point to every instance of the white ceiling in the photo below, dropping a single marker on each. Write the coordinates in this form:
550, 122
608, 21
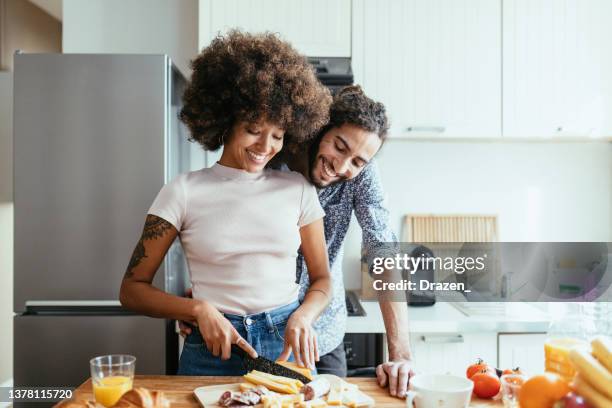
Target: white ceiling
51, 7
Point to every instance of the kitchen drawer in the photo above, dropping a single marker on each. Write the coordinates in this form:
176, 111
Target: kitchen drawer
453, 352
524, 350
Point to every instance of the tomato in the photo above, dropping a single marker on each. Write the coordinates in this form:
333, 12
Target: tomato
542, 391
476, 367
486, 384
516, 370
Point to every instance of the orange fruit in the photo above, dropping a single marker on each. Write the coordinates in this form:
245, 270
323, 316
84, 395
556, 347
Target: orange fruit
542, 391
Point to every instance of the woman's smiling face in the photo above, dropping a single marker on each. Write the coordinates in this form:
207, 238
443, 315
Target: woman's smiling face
250, 146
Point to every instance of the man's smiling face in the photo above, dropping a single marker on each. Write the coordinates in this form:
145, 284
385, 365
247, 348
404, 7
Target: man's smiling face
343, 152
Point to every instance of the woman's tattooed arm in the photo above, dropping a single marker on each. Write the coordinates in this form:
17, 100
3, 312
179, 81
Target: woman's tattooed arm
154, 228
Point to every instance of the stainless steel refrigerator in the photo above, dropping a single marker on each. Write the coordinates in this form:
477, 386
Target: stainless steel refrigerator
95, 138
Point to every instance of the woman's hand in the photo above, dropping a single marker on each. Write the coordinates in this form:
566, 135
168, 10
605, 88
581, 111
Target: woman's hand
219, 334
301, 339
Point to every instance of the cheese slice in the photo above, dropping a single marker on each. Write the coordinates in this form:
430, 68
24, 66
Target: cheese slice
294, 367
271, 401
270, 384
245, 386
335, 395
315, 403
296, 385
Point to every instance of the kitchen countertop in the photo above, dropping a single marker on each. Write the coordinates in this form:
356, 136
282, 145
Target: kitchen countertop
179, 390
446, 317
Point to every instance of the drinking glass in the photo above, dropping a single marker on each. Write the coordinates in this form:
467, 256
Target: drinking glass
511, 388
111, 377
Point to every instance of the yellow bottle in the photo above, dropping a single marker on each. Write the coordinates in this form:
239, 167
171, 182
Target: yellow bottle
556, 355
108, 390
568, 329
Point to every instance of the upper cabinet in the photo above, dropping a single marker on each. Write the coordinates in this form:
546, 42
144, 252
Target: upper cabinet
317, 28
557, 71
436, 65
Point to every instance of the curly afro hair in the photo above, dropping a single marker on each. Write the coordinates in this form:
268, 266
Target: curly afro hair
252, 77
352, 106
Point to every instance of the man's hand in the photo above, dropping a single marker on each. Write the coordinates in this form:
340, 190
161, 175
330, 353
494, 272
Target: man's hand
395, 374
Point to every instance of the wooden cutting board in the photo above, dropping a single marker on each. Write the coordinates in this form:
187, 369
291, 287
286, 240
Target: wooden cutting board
179, 390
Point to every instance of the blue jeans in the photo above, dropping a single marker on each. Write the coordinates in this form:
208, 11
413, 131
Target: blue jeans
264, 331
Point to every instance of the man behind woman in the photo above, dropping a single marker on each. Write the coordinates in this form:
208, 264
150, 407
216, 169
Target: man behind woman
240, 224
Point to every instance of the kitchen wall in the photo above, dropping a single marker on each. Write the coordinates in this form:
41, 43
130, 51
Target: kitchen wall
6, 227
132, 26
540, 191
25, 26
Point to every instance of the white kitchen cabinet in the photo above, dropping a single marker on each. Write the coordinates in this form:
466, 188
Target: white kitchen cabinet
557, 68
522, 350
452, 353
318, 28
436, 65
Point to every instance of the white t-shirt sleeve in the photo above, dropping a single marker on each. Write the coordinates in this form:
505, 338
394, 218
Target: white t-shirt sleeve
170, 203
310, 207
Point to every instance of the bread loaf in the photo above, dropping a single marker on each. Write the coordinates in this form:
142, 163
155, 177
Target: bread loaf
142, 398
135, 398
71, 403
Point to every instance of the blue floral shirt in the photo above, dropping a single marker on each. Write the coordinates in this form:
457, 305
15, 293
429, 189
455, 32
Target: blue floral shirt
363, 195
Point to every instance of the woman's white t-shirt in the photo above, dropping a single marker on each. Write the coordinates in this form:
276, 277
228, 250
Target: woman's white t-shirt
240, 232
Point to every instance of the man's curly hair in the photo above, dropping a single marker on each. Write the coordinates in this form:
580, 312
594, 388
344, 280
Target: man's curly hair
252, 77
352, 106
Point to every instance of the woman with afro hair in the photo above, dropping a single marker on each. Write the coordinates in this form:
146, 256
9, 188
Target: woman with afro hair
240, 223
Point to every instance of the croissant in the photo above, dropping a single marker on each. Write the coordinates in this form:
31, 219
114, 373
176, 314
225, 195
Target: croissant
78, 404
135, 398
142, 398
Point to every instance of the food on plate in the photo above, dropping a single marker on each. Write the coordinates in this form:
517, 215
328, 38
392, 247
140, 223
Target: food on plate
281, 401
274, 382
293, 366
486, 383
582, 387
572, 400
335, 396
245, 386
317, 403
249, 397
602, 351
543, 391
271, 391
315, 389
592, 371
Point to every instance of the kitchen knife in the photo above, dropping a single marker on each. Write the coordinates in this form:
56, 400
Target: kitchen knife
267, 366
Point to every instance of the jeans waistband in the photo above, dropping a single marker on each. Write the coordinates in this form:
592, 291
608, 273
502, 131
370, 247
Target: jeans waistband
274, 316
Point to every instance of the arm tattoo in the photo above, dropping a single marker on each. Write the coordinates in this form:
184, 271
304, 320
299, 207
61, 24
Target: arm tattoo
155, 227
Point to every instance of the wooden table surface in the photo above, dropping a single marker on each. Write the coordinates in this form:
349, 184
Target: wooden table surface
179, 390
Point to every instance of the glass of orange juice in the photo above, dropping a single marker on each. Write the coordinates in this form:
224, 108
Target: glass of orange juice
111, 377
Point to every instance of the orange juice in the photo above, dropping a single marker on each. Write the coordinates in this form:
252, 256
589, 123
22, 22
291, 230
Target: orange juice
108, 390
556, 355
